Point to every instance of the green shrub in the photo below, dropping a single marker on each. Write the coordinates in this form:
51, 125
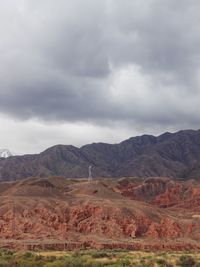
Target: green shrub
124, 262
100, 254
3, 263
186, 261
55, 264
26, 263
6, 252
113, 265
163, 263
93, 263
51, 258
74, 261
27, 255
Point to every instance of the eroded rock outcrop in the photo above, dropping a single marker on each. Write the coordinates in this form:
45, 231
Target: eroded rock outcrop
101, 212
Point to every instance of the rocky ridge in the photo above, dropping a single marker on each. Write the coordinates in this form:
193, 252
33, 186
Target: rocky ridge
127, 211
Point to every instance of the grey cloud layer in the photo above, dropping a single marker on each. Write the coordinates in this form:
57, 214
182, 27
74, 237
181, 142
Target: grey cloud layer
65, 60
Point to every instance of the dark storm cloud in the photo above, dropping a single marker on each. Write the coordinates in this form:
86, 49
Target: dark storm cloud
100, 61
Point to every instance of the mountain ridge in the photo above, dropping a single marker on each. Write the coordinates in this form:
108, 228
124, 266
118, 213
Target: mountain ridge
173, 155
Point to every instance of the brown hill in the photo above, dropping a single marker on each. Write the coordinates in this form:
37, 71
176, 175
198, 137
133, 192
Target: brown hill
117, 212
169, 155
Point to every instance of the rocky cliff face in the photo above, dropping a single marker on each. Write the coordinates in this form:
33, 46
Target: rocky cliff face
102, 211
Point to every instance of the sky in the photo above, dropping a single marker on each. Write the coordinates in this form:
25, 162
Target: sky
84, 71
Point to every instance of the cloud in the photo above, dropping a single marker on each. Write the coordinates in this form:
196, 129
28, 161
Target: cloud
33, 136
101, 62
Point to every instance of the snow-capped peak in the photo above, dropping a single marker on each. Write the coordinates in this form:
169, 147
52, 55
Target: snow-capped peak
5, 153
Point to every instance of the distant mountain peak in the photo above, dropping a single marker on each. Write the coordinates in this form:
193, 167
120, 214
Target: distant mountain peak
5, 153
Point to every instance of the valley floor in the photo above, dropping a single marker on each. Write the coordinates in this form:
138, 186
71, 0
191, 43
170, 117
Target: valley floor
100, 258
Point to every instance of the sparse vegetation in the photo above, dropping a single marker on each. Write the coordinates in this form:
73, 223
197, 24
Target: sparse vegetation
108, 258
187, 261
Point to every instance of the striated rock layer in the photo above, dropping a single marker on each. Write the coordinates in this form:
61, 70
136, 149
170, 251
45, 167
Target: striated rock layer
123, 213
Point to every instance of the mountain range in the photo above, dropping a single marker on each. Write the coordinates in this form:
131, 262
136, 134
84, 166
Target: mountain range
173, 155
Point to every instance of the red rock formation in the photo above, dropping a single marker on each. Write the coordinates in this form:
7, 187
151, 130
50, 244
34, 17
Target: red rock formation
104, 218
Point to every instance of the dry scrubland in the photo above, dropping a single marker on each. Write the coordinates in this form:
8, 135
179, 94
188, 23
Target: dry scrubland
93, 258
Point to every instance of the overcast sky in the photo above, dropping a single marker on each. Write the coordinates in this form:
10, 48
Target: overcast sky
82, 71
